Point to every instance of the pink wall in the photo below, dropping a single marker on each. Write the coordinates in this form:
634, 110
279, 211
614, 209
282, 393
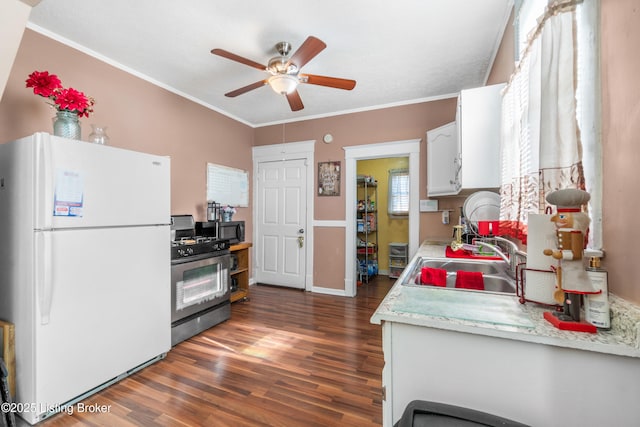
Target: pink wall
391, 124
620, 67
140, 116
328, 266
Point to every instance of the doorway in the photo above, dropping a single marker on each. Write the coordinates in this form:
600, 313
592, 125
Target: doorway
388, 227
407, 148
283, 214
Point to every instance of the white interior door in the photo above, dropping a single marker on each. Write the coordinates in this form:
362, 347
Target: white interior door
281, 223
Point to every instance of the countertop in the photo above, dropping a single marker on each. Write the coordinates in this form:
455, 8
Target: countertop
502, 315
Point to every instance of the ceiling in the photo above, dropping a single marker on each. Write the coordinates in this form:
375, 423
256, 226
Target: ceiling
399, 52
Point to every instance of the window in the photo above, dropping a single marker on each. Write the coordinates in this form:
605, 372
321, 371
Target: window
526, 20
398, 202
530, 163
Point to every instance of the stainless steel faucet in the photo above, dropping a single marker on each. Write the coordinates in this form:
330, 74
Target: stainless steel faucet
513, 255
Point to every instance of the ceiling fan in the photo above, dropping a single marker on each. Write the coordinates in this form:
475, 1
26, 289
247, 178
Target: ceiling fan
285, 71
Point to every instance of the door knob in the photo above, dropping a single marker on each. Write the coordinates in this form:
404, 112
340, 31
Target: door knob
300, 241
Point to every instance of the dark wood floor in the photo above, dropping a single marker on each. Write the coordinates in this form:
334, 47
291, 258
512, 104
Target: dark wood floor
285, 358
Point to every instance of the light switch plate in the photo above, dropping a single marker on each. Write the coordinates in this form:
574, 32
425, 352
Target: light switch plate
428, 205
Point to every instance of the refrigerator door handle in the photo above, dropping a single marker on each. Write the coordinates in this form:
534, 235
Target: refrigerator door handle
44, 274
44, 180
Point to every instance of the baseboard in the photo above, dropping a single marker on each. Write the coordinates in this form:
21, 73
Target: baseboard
328, 291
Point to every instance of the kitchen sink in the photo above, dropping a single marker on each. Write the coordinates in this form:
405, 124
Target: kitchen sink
453, 265
495, 273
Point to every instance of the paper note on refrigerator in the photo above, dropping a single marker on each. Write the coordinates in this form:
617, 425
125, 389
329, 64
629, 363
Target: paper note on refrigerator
69, 193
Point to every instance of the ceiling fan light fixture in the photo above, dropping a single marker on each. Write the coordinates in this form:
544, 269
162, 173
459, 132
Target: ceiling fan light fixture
285, 71
281, 65
283, 84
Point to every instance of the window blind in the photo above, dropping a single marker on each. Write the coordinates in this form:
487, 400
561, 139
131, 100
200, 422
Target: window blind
398, 201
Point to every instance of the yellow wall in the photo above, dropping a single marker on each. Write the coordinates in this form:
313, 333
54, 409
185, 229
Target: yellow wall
390, 230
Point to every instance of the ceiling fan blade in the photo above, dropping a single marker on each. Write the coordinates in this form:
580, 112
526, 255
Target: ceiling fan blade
237, 58
246, 89
309, 49
334, 82
295, 102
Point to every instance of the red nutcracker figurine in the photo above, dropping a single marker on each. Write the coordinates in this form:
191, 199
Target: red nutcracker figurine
571, 228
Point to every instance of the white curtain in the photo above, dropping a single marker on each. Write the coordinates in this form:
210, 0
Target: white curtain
541, 149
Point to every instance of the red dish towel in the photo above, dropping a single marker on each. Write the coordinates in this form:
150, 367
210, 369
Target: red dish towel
470, 280
433, 276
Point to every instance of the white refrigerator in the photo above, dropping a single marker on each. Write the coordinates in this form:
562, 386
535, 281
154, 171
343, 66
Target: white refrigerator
84, 266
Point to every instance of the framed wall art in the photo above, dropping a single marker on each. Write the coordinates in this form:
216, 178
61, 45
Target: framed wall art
328, 178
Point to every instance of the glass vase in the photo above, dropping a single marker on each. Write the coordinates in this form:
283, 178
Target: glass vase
98, 134
67, 125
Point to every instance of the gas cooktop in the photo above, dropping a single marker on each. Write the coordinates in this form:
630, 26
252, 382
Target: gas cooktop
197, 246
185, 243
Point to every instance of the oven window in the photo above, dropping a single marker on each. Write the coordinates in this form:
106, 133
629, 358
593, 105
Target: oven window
199, 284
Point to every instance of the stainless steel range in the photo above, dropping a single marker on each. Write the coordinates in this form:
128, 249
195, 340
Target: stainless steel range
200, 293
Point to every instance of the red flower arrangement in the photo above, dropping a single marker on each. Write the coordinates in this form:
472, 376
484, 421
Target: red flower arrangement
64, 99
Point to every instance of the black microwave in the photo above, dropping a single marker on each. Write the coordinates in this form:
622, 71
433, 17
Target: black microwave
233, 231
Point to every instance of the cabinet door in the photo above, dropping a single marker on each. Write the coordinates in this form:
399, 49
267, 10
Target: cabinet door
479, 117
443, 166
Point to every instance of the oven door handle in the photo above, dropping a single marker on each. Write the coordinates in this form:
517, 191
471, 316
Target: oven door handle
192, 258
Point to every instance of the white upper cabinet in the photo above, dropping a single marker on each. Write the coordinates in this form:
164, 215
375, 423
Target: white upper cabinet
469, 157
443, 165
478, 118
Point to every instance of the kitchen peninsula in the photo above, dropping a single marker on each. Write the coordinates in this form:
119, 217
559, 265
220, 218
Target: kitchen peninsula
504, 358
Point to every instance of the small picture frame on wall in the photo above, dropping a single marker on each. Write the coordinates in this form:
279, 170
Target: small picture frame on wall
328, 178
